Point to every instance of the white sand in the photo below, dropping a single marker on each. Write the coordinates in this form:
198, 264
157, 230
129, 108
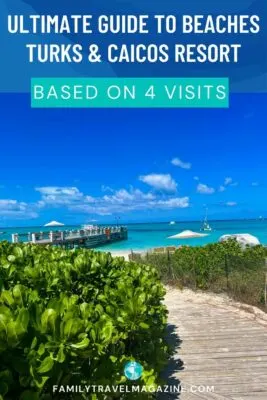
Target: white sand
123, 253
118, 253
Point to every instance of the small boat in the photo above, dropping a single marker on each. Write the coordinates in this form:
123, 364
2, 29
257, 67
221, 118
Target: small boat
89, 227
2, 233
172, 223
206, 226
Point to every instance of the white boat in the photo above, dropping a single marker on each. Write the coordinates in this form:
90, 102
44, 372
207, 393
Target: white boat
89, 227
172, 223
206, 226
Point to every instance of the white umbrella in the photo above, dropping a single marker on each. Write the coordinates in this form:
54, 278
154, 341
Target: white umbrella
54, 223
188, 235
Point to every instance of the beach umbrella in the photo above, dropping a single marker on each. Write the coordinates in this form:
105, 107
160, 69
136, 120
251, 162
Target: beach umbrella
54, 223
188, 235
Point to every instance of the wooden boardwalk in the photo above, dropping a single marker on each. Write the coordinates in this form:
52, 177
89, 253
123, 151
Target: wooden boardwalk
217, 345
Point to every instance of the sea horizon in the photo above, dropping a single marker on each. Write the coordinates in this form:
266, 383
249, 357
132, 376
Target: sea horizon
146, 235
134, 223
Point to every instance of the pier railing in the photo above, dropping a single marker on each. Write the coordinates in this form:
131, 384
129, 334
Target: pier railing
113, 232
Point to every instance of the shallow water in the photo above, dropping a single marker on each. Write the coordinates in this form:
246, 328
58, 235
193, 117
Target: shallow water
142, 236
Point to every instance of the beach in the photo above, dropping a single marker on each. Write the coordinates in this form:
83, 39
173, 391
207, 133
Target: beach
122, 253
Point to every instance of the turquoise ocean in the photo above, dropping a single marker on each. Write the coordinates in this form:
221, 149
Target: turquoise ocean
148, 235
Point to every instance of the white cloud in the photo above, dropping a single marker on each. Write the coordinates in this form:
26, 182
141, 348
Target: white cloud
196, 178
17, 210
177, 202
222, 188
58, 190
119, 201
97, 209
255, 184
204, 189
231, 203
234, 184
163, 182
116, 202
179, 163
105, 188
106, 206
89, 199
228, 181
121, 196
60, 195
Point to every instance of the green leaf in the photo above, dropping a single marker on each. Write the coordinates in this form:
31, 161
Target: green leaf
29, 395
5, 266
99, 309
12, 334
60, 355
3, 388
106, 332
72, 327
3, 322
18, 252
81, 345
25, 381
6, 376
93, 334
22, 320
41, 349
34, 343
46, 365
17, 293
48, 320
7, 298
150, 382
144, 325
40, 381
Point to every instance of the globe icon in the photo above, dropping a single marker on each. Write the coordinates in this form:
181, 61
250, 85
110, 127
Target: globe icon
133, 370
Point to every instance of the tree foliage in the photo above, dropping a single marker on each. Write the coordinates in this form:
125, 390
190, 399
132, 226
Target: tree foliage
74, 317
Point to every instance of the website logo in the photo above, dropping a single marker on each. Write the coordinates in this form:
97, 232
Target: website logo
133, 370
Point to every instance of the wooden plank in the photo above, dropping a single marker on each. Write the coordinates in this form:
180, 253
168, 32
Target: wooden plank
218, 347
255, 396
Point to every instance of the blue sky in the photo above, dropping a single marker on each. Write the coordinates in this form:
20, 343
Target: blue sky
81, 165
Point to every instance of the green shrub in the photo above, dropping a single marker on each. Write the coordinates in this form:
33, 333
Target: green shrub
218, 267
76, 317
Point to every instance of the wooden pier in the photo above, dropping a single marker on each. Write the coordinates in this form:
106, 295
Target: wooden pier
88, 238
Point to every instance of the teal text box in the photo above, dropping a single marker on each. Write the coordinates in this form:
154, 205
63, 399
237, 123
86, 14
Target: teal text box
130, 92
